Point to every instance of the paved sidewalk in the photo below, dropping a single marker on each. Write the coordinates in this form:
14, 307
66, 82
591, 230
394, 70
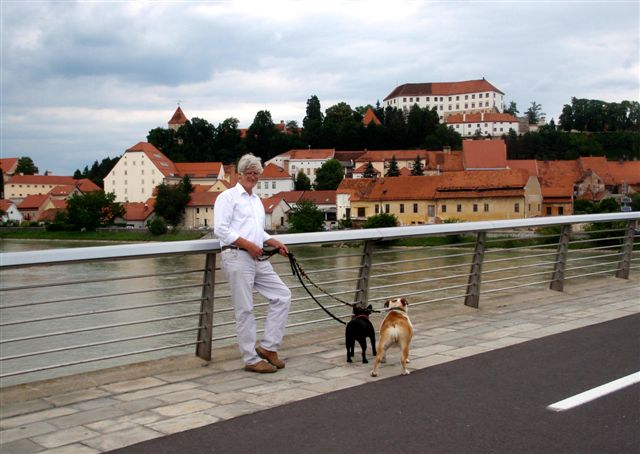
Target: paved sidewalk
98, 412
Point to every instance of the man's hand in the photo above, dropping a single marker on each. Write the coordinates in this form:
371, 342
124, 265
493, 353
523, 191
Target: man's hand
282, 249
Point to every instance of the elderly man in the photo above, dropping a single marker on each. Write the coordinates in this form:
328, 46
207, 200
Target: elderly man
239, 222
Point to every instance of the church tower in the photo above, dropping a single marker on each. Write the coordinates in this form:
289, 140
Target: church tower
178, 119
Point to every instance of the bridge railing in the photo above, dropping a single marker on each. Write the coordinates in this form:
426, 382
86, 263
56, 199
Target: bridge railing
66, 311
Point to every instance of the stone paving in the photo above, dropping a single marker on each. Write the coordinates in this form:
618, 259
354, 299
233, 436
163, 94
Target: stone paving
105, 410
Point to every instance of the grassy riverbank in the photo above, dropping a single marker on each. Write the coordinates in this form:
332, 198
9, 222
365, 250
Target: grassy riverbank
133, 236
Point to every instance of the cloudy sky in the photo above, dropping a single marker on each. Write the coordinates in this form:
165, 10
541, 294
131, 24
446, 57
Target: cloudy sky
82, 81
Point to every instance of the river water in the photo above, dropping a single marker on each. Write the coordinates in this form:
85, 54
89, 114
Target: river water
426, 276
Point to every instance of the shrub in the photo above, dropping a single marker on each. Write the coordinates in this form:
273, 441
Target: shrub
157, 226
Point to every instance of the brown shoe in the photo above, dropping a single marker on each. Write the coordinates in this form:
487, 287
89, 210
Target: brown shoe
272, 357
261, 367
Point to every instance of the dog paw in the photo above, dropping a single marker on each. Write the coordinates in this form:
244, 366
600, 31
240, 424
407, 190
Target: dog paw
374, 373
405, 372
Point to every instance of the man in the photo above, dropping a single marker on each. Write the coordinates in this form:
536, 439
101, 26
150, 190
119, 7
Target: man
239, 221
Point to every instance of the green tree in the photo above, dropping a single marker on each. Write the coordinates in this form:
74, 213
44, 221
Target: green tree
302, 182
534, 113
93, 209
329, 175
392, 168
380, 220
512, 109
196, 140
165, 141
157, 226
306, 217
261, 135
312, 123
369, 171
417, 169
171, 201
26, 166
228, 144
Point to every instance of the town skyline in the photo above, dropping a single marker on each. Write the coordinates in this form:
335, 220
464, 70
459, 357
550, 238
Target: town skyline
88, 83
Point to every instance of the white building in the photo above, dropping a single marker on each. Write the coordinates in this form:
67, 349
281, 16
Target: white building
11, 212
307, 161
486, 124
140, 169
274, 179
448, 98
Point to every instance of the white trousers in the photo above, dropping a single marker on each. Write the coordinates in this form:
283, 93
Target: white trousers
244, 275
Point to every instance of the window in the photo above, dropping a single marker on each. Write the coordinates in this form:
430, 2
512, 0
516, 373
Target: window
198, 210
457, 98
486, 207
466, 96
459, 208
418, 99
273, 185
404, 99
475, 207
427, 99
449, 98
402, 208
410, 99
415, 207
473, 96
431, 211
516, 208
386, 208
259, 186
377, 209
443, 208
560, 211
548, 211
361, 212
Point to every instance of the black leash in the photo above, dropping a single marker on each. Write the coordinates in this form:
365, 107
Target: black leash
297, 271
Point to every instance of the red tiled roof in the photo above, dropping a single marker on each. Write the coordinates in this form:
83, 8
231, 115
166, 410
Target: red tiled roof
370, 116
62, 190
8, 165
272, 171
442, 88
199, 199
32, 202
598, 165
179, 118
43, 179
198, 169
363, 167
320, 197
49, 214
530, 165
387, 155
625, 172
484, 154
164, 164
271, 203
5, 204
138, 211
313, 153
359, 188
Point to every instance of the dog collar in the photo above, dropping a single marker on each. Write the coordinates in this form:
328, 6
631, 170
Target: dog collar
361, 316
397, 309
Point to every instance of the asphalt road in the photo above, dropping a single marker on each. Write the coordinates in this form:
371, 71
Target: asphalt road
495, 402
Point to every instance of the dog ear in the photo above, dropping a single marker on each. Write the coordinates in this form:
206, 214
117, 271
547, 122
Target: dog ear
404, 301
386, 304
370, 307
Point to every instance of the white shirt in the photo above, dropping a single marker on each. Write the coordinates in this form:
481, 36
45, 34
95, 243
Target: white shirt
236, 213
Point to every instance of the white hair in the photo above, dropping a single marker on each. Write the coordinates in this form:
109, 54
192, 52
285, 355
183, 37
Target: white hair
249, 162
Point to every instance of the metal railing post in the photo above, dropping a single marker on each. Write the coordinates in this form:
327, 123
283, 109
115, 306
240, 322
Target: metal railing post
627, 248
475, 275
205, 333
560, 265
362, 290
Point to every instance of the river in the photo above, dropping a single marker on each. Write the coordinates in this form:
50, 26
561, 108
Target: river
397, 271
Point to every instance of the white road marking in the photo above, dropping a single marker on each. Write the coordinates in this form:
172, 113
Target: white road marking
595, 393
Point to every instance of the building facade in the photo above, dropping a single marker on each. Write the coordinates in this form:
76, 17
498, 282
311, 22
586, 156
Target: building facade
448, 98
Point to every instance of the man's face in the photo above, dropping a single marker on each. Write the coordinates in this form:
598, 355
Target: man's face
249, 178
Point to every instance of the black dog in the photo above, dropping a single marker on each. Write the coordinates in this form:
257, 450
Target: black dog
358, 329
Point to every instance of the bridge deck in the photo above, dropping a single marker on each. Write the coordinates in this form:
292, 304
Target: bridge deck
101, 411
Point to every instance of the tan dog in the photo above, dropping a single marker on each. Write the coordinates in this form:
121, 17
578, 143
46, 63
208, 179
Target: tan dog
396, 330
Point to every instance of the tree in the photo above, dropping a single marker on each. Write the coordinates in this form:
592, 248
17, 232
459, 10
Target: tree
380, 220
26, 166
512, 109
534, 113
417, 169
306, 217
228, 144
93, 209
312, 123
369, 171
260, 136
392, 168
171, 201
329, 175
302, 182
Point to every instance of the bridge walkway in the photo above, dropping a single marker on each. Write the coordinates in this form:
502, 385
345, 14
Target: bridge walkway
114, 408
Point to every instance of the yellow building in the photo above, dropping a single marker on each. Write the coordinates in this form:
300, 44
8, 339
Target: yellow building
465, 196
